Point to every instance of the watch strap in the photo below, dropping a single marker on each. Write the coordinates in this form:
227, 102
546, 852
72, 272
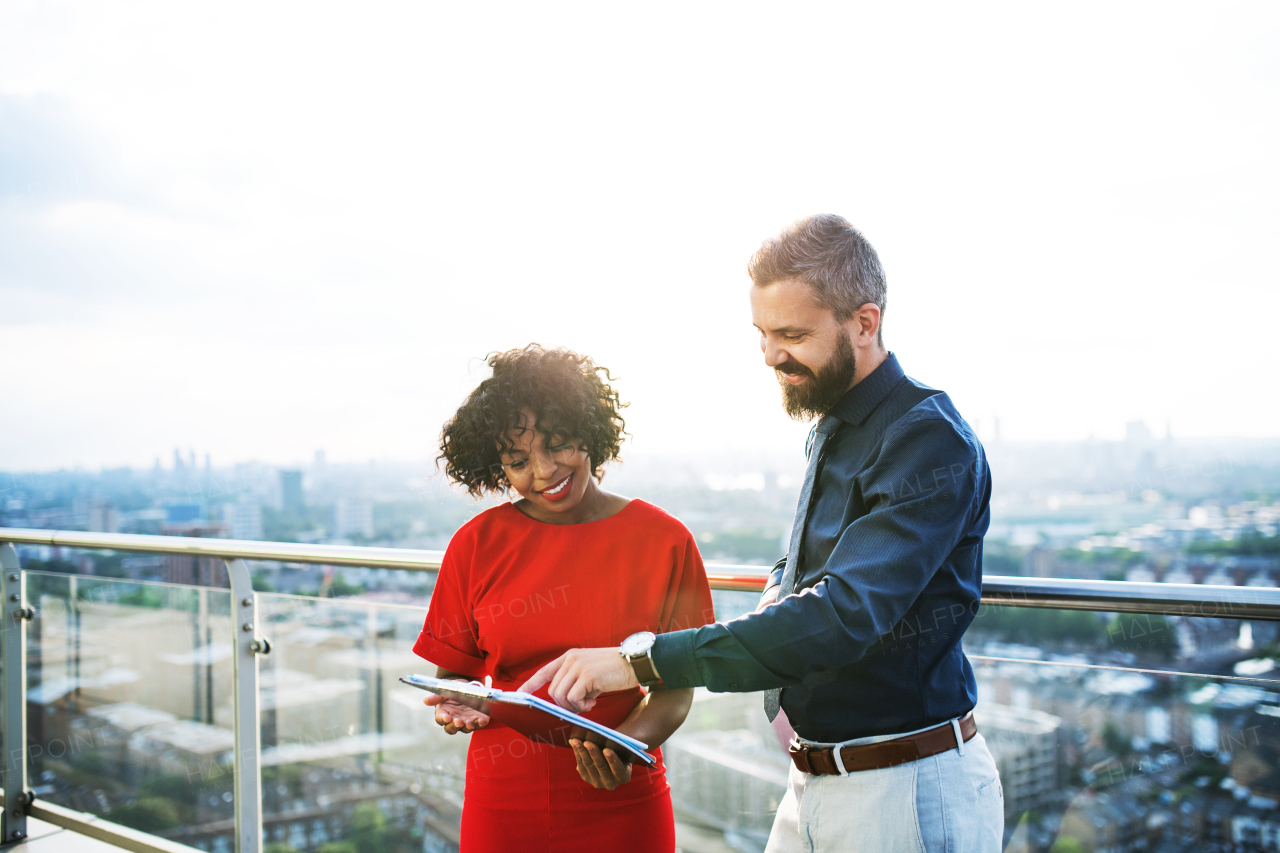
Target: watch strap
646, 672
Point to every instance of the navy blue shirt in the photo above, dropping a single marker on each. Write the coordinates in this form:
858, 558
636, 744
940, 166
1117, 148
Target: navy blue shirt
890, 577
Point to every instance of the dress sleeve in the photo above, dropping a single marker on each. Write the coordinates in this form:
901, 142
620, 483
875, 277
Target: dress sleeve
689, 595
448, 637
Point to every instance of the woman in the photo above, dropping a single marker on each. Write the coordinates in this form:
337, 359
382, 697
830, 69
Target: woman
566, 565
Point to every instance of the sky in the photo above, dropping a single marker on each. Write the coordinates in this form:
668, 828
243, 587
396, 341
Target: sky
258, 230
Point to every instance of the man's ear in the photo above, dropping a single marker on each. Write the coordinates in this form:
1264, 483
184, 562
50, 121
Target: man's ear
865, 325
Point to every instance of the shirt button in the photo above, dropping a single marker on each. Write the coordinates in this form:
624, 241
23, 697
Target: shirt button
733, 685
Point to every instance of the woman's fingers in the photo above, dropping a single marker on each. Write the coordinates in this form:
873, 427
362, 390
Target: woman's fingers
621, 769
600, 768
610, 776
597, 757
586, 768
456, 718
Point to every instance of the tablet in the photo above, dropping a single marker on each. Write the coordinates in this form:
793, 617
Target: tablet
535, 718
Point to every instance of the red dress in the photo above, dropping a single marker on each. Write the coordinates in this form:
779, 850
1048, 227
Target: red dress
513, 594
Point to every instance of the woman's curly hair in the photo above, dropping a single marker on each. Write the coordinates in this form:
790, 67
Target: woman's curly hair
565, 391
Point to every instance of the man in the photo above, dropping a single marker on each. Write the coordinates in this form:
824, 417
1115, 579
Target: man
860, 625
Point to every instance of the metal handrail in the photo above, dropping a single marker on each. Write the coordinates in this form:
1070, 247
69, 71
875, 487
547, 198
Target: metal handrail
410, 559
1169, 599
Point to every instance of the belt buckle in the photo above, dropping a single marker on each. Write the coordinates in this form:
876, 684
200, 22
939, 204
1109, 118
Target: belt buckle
800, 755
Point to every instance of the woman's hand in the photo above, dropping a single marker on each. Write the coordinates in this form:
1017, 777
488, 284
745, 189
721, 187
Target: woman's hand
454, 716
600, 768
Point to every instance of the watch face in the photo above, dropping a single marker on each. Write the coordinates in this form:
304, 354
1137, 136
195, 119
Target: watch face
637, 644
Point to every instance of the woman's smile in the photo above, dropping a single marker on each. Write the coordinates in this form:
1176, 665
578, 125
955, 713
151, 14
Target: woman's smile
559, 490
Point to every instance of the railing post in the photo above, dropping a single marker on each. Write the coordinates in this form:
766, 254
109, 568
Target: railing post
248, 765
13, 770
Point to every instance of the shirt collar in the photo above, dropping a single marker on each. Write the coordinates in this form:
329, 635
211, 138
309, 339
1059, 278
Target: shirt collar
861, 400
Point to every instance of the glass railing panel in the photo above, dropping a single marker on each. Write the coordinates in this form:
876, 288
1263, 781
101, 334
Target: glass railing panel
727, 765
1094, 759
349, 754
1126, 732
130, 701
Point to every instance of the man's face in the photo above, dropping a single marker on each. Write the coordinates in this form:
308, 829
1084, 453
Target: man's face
805, 344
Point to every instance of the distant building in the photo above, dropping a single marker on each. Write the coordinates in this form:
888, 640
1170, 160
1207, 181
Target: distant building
1138, 433
352, 517
727, 768
1103, 826
104, 518
291, 497
732, 780
200, 571
1024, 744
80, 512
1040, 562
243, 519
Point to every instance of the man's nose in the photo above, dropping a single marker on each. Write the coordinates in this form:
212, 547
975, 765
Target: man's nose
773, 354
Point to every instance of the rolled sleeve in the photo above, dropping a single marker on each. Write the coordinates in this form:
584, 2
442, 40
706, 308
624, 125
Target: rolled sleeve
674, 658
429, 648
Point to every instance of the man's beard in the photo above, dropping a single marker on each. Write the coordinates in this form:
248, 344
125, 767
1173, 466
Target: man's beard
815, 397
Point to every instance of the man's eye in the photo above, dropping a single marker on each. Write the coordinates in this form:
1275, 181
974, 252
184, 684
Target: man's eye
517, 465
562, 447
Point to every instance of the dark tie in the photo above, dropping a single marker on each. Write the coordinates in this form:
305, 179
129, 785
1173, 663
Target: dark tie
826, 426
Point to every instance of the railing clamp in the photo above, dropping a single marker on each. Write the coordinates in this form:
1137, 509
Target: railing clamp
260, 646
24, 800
24, 613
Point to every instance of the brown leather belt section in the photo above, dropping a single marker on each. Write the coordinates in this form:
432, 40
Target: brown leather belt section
820, 761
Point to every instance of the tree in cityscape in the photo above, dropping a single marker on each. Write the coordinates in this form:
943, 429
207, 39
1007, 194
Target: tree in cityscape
369, 829
1068, 844
1116, 741
1143, 635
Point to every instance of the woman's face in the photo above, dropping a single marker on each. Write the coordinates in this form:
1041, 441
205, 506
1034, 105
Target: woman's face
553, 476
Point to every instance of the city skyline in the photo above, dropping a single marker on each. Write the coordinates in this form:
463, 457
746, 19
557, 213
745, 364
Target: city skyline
191, 458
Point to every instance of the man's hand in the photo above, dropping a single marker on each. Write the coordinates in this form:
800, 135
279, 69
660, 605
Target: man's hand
600, 767
454, 716
770, 597
578, 676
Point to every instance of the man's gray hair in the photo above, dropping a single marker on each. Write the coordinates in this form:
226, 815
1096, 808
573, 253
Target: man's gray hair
832, 257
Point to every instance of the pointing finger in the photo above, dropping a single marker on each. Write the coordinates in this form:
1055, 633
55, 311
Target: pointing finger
541, 677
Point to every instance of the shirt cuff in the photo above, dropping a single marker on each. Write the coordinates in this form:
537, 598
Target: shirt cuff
431, 649
775, 577
674, 659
